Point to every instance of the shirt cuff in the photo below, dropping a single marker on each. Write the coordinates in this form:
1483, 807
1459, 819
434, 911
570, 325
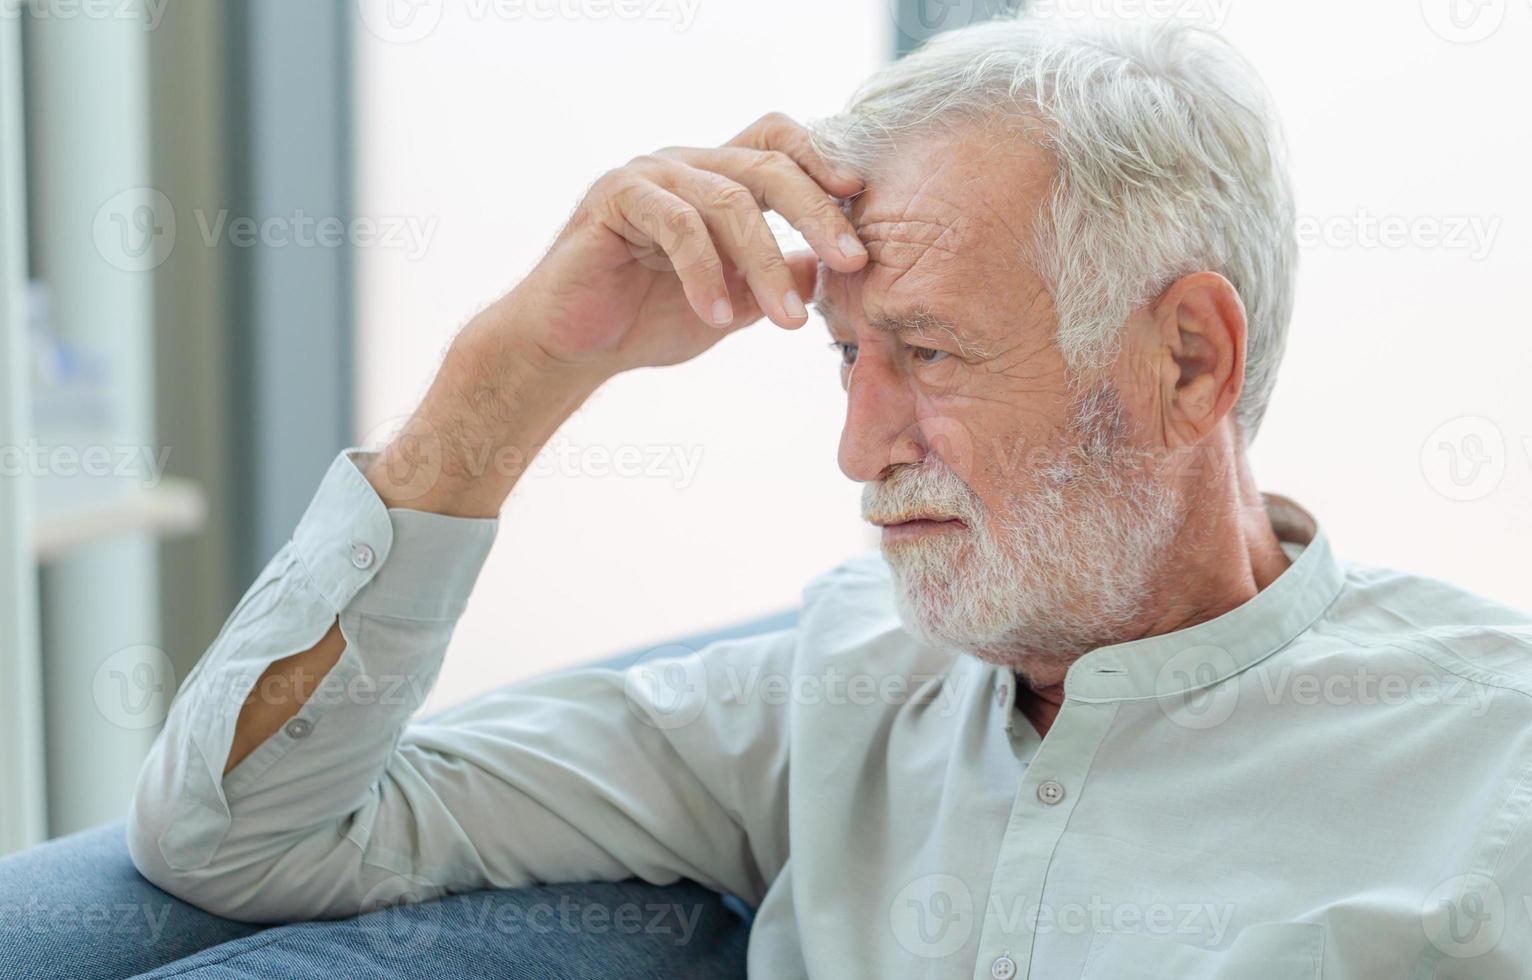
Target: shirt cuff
392, 561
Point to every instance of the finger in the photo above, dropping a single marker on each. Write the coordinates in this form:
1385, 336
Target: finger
775, 131
805, 270
651, 217
741, 233
781, 185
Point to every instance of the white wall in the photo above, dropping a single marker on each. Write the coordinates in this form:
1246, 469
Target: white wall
1392, 115
487, 129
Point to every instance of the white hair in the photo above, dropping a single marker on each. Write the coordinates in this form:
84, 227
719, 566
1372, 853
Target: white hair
1169, 160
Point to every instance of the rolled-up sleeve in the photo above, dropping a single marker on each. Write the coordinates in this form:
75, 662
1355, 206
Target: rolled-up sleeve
589, 774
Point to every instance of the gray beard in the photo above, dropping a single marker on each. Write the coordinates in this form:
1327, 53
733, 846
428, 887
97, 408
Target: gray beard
1069, 570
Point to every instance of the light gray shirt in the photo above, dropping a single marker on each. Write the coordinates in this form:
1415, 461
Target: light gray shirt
1332, 780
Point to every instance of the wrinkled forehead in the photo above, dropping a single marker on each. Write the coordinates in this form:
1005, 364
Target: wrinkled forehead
949, 222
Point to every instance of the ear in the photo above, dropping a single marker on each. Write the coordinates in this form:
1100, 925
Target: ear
1200, 323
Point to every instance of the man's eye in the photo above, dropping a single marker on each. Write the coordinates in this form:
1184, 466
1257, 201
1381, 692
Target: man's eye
928, 355
847, 352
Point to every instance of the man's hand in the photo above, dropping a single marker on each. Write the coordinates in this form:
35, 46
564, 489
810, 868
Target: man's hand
662, 258
673, 248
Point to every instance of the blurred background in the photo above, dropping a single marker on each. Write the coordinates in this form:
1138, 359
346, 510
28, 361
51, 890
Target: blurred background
236, 236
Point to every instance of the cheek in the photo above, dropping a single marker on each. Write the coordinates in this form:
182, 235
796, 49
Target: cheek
973, 437
998, 459
951, 437
993, 488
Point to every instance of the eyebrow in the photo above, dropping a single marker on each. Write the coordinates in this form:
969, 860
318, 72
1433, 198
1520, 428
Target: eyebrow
921, 321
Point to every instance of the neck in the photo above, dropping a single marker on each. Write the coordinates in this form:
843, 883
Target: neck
1225, 552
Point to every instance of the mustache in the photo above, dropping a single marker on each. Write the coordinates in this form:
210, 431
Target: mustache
928, 488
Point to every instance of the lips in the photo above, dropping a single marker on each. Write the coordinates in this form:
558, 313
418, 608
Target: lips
903, 528
901, 519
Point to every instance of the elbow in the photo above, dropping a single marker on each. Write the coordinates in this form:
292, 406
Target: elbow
174, 841
216, 887
184, 851
150, 818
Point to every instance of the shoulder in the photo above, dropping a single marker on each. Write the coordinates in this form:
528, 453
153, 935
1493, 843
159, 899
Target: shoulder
852, 602
1412, 598
1461, 631
850, 616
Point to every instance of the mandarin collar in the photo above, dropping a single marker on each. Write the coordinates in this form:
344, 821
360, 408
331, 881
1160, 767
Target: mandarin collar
1199, 656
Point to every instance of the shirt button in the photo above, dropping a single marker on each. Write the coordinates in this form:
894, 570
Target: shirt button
362, 556
1050, 791
1003, 696
1003, 968
298, 727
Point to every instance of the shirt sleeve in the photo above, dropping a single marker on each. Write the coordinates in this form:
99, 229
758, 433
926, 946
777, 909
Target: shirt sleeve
1480, 923
674, 768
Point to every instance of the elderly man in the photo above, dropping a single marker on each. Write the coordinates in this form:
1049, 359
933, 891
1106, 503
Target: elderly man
1100, 708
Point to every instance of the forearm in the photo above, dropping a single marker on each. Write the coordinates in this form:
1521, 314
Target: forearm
493, 405
281, 690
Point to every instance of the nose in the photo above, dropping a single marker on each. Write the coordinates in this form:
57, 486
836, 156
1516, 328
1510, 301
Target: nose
880, 430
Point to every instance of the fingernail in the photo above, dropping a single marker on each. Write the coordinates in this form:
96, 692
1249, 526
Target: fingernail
851, 246
723, 313
793, 304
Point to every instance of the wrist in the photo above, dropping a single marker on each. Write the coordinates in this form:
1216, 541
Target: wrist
497, 399
508, 334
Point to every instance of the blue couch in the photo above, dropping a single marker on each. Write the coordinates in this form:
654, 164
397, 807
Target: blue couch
76, 908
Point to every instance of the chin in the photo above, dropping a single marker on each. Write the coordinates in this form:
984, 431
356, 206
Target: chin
941, 603
1007, 613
